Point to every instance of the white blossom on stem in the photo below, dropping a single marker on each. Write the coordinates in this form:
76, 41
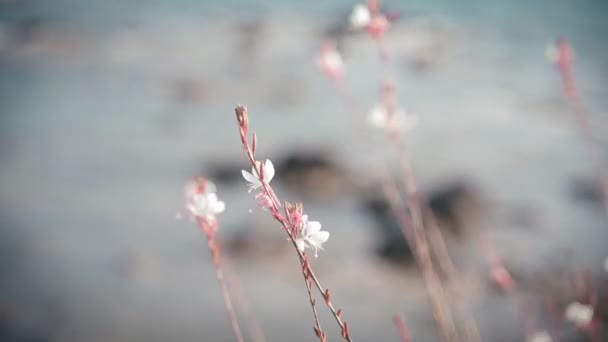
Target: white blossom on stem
399, 120
540, 336
254, 179
552, 53
311, 236
202, 201
360, 17
579, 314
330, 62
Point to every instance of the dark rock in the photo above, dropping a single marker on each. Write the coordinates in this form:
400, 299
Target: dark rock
225, 172
312, 174
586, 191
256, 242
393, 247
187, 90
456, 205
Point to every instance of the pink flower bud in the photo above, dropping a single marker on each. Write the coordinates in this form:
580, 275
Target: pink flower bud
502, 278
378, 26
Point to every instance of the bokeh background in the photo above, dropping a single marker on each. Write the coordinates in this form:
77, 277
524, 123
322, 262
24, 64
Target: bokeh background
107, 108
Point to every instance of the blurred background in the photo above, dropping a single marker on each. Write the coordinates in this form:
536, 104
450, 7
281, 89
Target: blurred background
107, 109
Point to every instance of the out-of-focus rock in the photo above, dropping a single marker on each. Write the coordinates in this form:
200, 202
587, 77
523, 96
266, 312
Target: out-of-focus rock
189, 90
586, 190
392, 247
456, 205
312, 174
257, 243
138, 266
251, 34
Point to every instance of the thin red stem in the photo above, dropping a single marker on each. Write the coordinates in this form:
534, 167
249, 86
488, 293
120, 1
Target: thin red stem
215, 257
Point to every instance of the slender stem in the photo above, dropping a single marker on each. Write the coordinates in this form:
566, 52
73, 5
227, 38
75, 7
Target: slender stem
234, 282
415, 238
583, 122
401, 328
215, 256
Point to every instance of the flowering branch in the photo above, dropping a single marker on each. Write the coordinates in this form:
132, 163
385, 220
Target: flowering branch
301, 232
203, 205
562, 56
393, 119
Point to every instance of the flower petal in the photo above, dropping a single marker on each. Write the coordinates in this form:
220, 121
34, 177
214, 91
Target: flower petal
360, 16
268, 171
301, 245
319, 238
250, 177
312, 227
219, 207
378, 116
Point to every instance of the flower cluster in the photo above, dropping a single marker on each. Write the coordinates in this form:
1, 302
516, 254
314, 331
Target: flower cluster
305, 234
579, 314
310, 236
330, 62
399, 120
369, 18
202, 202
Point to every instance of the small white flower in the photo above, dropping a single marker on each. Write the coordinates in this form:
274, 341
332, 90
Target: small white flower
579, 314
254, 179
540, 336
360, 17
205, 205
311, 236
552, 53
379, 117
330, 62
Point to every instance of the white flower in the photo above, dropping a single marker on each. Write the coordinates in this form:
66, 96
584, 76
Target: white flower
579, 314
379, 117
330, 62
552, 53
254, 180
311, 236
540, 336
205, 205
360, 17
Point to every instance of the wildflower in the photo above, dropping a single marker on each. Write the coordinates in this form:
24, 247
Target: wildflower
378, 26
559, 52
502, 278
264, 201
330, 62
202, 201
264, 173
311, 236
360, 16
552, 53
369, 18
380, 117
540, 336
579, 314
